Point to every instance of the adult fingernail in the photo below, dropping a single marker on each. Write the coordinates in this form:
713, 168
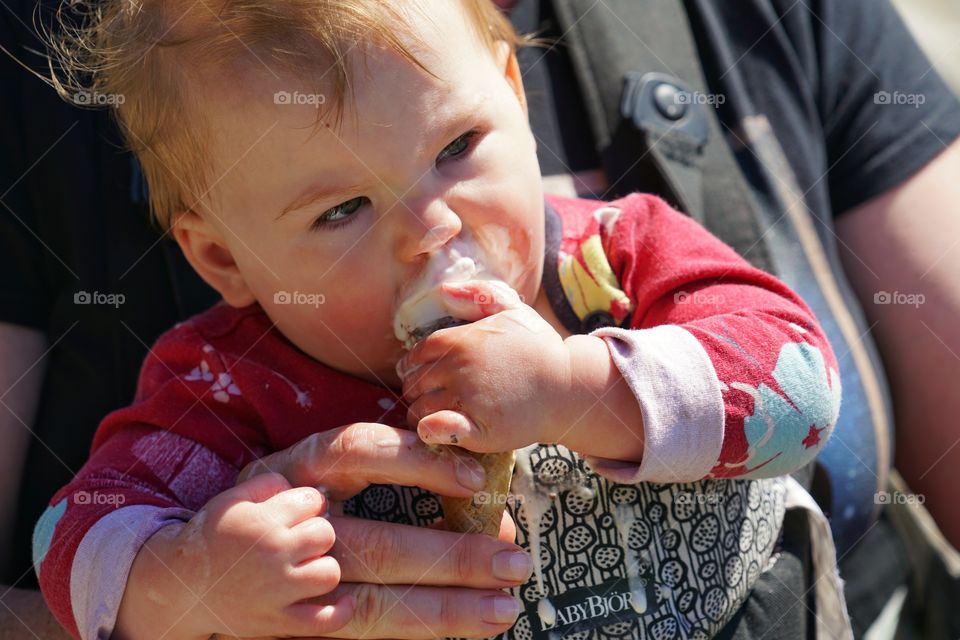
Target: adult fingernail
512, 565
499, 609
470, 474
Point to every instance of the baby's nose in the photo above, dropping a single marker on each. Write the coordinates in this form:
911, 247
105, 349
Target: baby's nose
431, 225
437, 236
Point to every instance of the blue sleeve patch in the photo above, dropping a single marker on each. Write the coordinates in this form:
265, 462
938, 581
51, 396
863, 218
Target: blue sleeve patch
783, 434
43, 532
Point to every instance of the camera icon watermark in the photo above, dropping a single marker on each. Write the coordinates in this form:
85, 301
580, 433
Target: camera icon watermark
698, 297
99, 498
92, 99
95, 297
898, 98
499, 295
299, 297
885, 497
298, 98
896, 297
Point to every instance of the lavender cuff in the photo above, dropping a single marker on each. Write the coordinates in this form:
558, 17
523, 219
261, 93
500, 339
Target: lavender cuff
102, 564
680, 399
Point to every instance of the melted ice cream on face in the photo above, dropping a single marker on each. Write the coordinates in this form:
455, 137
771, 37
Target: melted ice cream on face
459, 260
423, 305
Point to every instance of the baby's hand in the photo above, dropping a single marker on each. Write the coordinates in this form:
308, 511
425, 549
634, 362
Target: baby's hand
498, 384
254, 553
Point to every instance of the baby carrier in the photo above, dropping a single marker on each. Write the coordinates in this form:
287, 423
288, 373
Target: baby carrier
639, 71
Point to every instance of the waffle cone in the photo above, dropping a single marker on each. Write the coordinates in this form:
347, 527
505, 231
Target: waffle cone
483, 512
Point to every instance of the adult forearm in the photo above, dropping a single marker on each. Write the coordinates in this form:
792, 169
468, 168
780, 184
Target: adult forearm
25, 616
902, 252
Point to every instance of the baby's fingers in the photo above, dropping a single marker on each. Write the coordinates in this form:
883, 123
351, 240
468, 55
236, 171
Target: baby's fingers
293, 506
508, 529
476, 299
311, 539
316, 577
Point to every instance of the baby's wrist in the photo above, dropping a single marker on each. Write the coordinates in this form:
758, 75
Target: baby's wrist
188, 580
601, 415
155, 592
589, 369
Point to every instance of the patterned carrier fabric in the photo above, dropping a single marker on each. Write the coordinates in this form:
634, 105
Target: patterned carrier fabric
696, 548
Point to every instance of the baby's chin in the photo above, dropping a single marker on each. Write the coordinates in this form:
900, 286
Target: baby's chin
381, 372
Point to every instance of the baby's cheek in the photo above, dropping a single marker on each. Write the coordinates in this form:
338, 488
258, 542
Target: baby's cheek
521, 241
363, 321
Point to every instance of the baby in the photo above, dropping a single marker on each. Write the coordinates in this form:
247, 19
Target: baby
344, 172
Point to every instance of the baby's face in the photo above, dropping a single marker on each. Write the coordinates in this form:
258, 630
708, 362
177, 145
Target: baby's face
344, 220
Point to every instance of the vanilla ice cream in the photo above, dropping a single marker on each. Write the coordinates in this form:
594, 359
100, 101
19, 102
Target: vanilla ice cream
461, 259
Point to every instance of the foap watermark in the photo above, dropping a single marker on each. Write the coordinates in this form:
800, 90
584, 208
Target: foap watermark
299, 297
697, 97
297, 98
99, 498
885, 497
912, 99
698, 297
95, 297
898, 297
709, 499
497, 497
94, 99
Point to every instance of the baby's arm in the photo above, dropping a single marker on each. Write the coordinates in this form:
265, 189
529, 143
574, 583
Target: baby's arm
136, 509
732, 374
131, 558
87, 539
240, 568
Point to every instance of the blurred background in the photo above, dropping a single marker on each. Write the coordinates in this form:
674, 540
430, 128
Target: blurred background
936, 25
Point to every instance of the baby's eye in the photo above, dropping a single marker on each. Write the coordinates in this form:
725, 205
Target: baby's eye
339, 215
458, 147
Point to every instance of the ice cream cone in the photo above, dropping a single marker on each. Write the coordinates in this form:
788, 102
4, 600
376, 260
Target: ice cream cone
482, 512
421, 312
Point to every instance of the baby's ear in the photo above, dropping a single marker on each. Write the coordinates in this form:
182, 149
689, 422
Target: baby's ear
506, 59
208, 254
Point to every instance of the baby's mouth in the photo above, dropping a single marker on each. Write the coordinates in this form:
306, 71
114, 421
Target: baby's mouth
421, 307
421, 310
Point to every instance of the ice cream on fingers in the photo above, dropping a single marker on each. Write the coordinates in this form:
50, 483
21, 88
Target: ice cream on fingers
422, 312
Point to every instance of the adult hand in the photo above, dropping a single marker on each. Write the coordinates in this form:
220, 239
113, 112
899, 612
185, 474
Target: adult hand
345, 461
406, 581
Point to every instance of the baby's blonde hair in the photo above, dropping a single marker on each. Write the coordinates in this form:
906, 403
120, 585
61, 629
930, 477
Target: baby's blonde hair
139, 57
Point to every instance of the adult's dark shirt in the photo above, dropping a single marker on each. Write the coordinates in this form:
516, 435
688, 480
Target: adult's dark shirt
74, 222
75, 217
